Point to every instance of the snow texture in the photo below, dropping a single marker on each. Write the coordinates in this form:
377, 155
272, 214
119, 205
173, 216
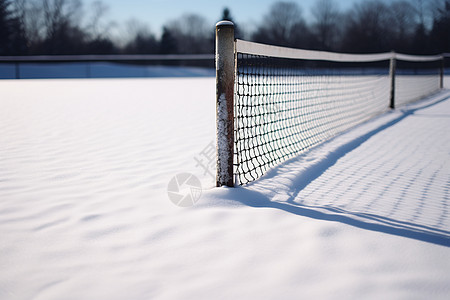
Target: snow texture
84, 210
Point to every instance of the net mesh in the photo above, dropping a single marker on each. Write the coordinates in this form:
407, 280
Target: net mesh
289, 100
286, 106
415, 80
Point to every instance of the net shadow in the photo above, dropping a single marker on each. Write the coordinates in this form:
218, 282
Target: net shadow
368, 219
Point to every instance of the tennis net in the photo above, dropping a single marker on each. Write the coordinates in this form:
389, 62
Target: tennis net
286, 101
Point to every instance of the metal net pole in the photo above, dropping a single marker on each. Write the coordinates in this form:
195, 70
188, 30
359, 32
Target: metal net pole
225, 63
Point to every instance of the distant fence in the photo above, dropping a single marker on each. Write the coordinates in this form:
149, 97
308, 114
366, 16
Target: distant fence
88, 66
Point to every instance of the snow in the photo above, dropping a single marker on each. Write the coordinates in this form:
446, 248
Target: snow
85, 213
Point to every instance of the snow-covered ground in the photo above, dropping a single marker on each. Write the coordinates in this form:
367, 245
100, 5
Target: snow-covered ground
85, 214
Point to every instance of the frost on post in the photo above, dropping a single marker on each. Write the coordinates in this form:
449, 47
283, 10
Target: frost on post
224, 101
222, 142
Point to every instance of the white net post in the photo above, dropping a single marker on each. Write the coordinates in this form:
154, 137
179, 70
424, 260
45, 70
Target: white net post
225, 63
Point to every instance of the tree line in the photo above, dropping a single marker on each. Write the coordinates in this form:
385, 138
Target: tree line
35, 27
417, 27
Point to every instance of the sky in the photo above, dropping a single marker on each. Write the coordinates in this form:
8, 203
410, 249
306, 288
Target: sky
156, 13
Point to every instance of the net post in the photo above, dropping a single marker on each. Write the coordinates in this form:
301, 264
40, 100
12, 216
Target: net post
225, 63
392, 70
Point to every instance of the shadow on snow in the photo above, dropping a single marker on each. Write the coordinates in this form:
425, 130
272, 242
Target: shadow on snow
373, 222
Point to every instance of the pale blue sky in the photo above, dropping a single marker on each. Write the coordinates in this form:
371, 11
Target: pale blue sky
156, 13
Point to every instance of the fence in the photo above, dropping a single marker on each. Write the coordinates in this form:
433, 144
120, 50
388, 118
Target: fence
85, 63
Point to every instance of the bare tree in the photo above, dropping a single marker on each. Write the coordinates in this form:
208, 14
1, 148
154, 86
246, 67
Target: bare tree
60, 13
283, 25
420, 11
135, 27
142, 40
5, 27
191, 33
34, 22
326, 25
63, 32
97, 27
368, 28
440, 33
403, 17
12, 31
437, 7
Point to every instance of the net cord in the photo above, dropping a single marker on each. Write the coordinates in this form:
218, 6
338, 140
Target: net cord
292, 53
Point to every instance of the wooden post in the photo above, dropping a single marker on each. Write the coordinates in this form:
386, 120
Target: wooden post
225, 60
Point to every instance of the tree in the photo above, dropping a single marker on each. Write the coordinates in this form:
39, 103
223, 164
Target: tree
440, 33
326, 24
168, 43
12, 35
32, 18
97, 28
63, 34
368, 28
5, 27
100, 46
420, 12
142, 39
403, 23
192, 35
420, 40
284, 26
226, 16
142, 43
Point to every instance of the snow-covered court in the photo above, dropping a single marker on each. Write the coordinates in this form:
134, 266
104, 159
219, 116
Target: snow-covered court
85, 212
